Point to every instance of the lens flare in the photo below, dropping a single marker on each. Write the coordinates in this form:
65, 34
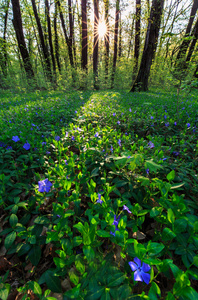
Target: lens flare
102, 29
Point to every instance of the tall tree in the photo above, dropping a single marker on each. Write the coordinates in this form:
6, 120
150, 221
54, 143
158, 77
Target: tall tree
3, 42
65, 35
45, 52
137, 35
193, 42
150, 45
50, 37
107, 40
185, 43
115, 41
120, 38
84, 35
71, 25
56, 44
17, 22
96, 42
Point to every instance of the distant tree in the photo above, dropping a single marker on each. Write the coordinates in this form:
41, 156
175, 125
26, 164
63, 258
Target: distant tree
95, 44
50, 37
150, 45
56, 44
194, 36
137, 36
45, 52
107, 39
84, 35
3, 42
17, 22
115, 52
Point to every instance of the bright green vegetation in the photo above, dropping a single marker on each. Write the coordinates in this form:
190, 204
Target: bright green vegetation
138, 150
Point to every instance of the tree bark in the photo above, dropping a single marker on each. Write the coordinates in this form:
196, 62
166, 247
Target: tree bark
193, 42
120, 38
56, 44
185, 43
17, 22
107, 40
115, 41
47, 64
131, 35
141, 81
84, 35
50, 37
65, 35
137, 36
4, 54
95, 45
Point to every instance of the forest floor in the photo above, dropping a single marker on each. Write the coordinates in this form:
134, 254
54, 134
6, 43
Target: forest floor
98, 195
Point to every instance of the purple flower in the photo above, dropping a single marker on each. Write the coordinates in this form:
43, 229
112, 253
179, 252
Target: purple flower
129, 156
119, 142
9, 148
164, 158
175, 123
15, 138
188, 125
147, 171
114, 114
26, 146
126, 208
151, 145
44, 143
140, 270
76, 112
96, 135
115, 222
2, 144
44, 185
130, 109
66, 162
165, 116
167, 124
66, 135
99, 199
57, 138
175, 153
151, 117
118, 122
72, 138
111, 149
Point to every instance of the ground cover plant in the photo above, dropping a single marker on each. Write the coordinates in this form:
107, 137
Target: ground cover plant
98, 195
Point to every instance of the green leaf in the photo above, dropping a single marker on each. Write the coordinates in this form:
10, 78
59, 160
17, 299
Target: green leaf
41, 220
155, 211
176, 185
105, 295
88, 252
170, 296
35, 287
9, 240
180, 225
188, 293
103, 233
80, 227
154, 248
94, 172
154, 292
13, 220
116, 279
53, 282
35, 254
60, 263
4, 294
170, 216
73, 277
77, 240
95, 292
152, 166
167, 234
171, 175
73, 293
80, 266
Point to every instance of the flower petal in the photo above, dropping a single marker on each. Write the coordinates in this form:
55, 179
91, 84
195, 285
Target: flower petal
133, 266
145, 277
145, 267
137, 276
137, 261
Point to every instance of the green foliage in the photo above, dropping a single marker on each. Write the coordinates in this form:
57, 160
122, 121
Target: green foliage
124, 185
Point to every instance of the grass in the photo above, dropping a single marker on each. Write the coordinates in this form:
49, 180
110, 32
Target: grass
123, 173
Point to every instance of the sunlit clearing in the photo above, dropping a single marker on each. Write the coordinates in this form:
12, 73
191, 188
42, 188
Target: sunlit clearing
102, 29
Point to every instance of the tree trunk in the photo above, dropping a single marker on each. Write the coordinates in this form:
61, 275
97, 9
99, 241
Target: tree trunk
17, 22
84, 35
193, 42
141, 81
130, 37
95, 45
56, 44
50, 37
115, 41
106, 3
47, 64
65, 35
185, 43
4, 54
137, 36
120, 38
71, 27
